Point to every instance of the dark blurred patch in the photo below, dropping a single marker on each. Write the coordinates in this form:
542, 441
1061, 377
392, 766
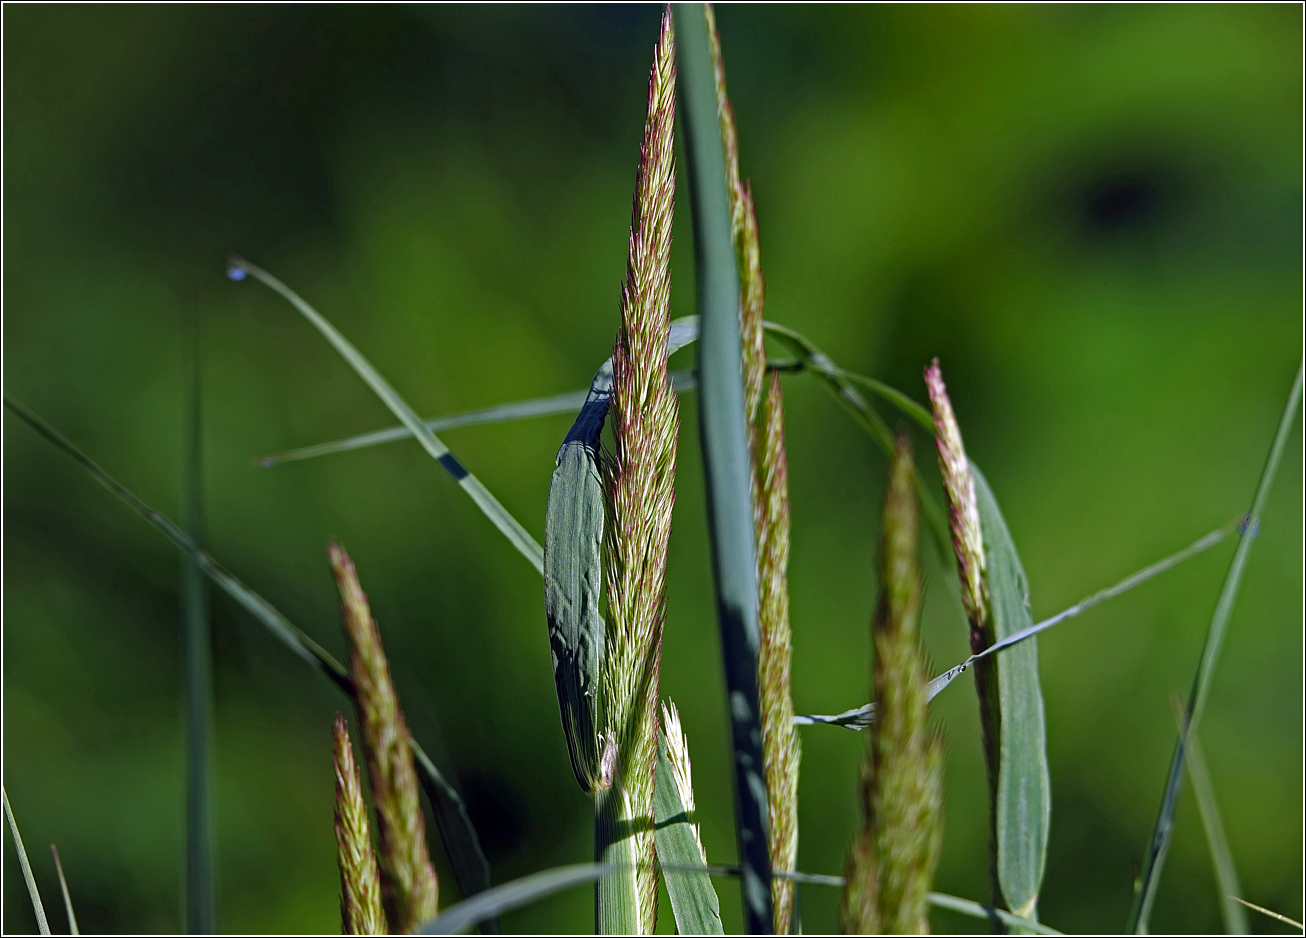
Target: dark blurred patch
1123, 201
1086, 888
498, 812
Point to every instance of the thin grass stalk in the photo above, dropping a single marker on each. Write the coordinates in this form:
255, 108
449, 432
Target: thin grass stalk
892, 859
361, 912
764, 418
33, 893
638, 482
1160, 845
1264, 911
729, 475
409, 887
1226, 872
197, 681
63, 887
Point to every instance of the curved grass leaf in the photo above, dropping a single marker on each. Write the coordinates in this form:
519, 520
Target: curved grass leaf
488, 504
67, 899
861, 717
725, 451
693, 897
461, 843
840, 384
32, 891
1024, 789
518, 410
1160, 845
197, 684
1226, 873
460, 917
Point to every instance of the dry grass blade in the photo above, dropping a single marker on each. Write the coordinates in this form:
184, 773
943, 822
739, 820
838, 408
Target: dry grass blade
488, 504
67, 899
32, 891
1160, 843
460, 917
409, 885
1265, 911
360, 881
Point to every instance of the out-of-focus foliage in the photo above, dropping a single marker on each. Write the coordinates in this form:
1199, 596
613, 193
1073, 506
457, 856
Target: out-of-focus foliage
1091, 214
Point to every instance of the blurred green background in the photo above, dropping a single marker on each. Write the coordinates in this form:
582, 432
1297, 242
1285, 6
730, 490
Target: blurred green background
1091, 214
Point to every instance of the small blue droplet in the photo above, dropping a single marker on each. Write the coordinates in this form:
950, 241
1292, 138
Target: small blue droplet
237, 273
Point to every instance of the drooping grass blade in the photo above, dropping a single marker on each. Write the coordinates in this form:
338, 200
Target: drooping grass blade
197, 674
567, 403
1226, 873
1146, 895
1023, 805
860, 717
32, 891
67, 899
488, 504
461, 843
840, 384
463, 915
725, 452
1265, 911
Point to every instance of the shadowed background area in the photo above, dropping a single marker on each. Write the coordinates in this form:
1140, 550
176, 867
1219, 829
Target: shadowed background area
1092, 215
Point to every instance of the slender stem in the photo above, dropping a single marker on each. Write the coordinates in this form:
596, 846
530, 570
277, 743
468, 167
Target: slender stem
37, 906
1160, 845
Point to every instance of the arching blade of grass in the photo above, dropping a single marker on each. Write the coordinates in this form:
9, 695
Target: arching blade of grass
1146, 895
32, 891
840, 384
861, 717
1226, 873
197, 680
461, 916
725, 452
488, 504
67, 899
1265, 911
567, 403
461, 843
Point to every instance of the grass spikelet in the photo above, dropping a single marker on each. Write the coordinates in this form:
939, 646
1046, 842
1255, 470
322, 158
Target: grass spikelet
892, 858
638, 482
360, 882
409, 886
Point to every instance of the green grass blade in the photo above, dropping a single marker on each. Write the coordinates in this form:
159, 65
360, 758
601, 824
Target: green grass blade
861, 717
459, 837
1024, 789
488, 504
460, 917
725, 451
1264, 911
840, 384
566, 403
694, 901
197, 680
1160, 843
1226, 873
32, 891
67, 899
